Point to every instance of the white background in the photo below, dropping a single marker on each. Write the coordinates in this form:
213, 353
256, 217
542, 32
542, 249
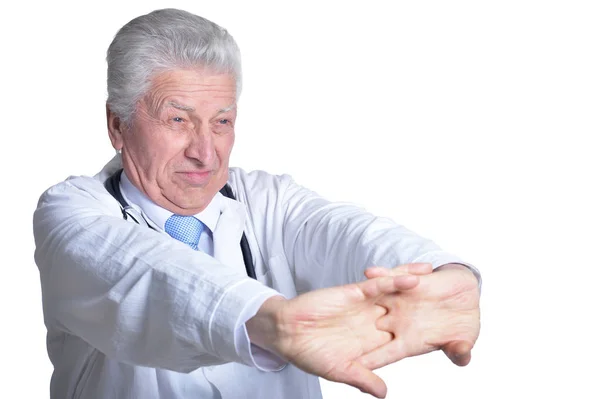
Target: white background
474, 123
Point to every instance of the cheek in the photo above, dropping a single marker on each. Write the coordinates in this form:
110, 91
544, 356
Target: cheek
224, 148
143, 151
153, 151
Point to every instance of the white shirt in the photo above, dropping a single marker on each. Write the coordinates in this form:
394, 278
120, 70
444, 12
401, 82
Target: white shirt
132, 313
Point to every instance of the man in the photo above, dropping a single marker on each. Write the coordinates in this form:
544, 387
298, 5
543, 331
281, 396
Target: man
171, 275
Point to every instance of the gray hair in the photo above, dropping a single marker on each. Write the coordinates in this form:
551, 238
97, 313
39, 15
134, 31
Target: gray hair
164, 40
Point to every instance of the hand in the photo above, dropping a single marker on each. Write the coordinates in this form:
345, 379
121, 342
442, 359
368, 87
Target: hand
441, 313
323, 331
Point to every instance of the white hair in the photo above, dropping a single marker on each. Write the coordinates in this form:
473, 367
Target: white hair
165, 40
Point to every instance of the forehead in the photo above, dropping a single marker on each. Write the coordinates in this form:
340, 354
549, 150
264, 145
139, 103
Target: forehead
192, 87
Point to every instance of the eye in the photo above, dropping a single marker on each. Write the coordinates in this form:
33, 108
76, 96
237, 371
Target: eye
178, 119
223, 121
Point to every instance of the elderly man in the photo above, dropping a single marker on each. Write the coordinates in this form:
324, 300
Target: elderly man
171, 275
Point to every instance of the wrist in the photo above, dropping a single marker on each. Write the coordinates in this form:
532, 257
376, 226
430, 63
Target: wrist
472, 272
264, 329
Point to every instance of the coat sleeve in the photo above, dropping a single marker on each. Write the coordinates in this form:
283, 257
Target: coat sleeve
330, 244
136, 295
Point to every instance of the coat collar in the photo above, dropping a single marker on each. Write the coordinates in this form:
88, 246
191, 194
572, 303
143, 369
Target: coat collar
228, 234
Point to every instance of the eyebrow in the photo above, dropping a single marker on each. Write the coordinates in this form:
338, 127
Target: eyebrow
226, 109
188, 108
181, 106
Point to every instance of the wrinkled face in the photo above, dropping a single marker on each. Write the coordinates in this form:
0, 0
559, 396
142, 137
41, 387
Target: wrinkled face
176, 148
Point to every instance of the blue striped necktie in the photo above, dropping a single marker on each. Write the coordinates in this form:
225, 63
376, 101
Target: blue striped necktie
186, 229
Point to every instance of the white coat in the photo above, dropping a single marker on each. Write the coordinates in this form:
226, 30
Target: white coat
132, 313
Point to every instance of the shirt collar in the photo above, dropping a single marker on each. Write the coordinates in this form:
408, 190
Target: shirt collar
209, 216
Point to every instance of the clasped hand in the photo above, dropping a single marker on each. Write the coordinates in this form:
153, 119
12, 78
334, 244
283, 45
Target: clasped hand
343, 333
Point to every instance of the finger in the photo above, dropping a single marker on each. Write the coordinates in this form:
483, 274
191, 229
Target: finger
359, 376
387, 323
417, 269
420, 269
384, 355
459, 352
375, 340
387, 285
377, 271
378, 311
404, 283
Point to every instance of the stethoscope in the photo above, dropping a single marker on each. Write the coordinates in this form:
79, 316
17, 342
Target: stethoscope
113, 187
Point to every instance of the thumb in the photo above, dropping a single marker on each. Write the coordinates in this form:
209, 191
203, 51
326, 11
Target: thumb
459, 352
358, 376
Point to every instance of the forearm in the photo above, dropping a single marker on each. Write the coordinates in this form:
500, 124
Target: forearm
333, 243
136, 295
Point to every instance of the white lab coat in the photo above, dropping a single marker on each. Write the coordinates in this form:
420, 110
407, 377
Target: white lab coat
132, 313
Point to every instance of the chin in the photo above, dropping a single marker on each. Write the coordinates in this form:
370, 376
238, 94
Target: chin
198, 197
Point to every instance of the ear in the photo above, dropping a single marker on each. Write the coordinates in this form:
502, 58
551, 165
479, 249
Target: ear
115, 129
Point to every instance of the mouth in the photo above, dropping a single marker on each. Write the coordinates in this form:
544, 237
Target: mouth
196, 177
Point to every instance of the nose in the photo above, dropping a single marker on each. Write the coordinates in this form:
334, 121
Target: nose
201, 146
